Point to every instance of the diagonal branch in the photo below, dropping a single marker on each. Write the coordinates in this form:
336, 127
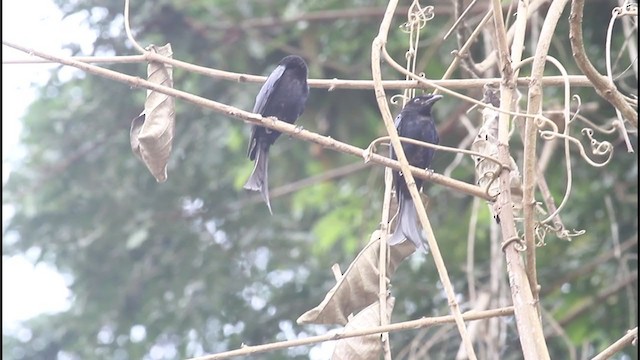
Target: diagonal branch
629, 338
377, 48
270, 122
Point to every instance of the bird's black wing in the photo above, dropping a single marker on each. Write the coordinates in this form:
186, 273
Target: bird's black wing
267, 89
397, 120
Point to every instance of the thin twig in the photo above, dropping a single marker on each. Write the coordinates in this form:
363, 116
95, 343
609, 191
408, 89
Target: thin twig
377, 49
490, 61
461, 17
566, 135
623, 130
330, 84
412, 324
630, 337
606, 148
464, 48
127, 29
431, 83
456, 150
604, 86
270, 122
466, 57
534, 106
628, 28
122, 59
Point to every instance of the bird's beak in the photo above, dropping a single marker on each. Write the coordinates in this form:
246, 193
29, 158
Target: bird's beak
433, 99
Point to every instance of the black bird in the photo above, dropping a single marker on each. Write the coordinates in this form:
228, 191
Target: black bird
284, 96
415, 122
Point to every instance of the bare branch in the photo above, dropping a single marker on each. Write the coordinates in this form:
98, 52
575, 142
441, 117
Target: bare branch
528, 322
629, 338
412, 324
377, 48
604, 86
529, 178
329, 84
270, 122
127, 28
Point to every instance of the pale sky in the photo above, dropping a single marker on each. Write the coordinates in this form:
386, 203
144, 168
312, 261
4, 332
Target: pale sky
29, 290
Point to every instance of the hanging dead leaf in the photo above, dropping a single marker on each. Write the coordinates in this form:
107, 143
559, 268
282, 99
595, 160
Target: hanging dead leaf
359, 286
136, 125
152, 131
363, 347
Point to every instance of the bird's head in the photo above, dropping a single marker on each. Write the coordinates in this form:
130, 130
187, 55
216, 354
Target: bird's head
424, 102
294, 62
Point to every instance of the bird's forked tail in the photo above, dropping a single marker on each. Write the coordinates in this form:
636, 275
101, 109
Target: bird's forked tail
407, 226
259, 179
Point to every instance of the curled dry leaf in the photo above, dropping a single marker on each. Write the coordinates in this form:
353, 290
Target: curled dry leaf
486, 142
152, 131
359, 286
363, 347
136, 125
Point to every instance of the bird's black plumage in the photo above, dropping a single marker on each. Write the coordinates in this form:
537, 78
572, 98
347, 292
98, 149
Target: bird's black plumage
416, 122
283, 96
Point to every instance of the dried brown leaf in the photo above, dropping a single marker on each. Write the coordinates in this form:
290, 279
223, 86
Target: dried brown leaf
363, 347
136, 125
359, 286
152, 131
